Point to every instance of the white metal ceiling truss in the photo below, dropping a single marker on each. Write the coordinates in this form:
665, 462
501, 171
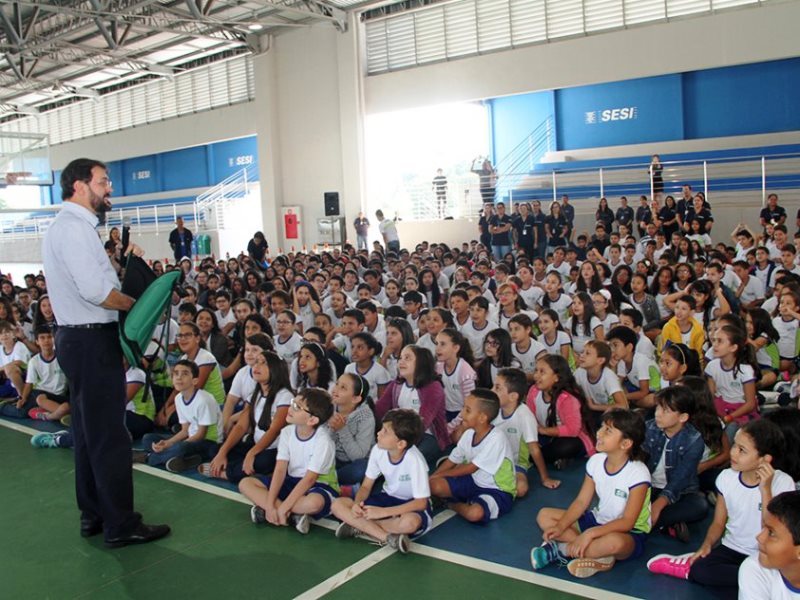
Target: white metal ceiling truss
55, 51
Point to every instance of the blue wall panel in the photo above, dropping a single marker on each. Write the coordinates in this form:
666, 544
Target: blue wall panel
140, 175
231, 156
184, 169
624, 112
743, 100
513, 118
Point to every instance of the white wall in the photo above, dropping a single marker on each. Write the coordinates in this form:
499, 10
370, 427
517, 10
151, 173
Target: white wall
308, 98
734, 37
173, 134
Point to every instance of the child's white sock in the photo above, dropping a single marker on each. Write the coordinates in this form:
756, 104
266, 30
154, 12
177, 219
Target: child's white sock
562, 549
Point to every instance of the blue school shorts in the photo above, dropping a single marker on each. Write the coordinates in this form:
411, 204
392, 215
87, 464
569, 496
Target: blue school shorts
495, 503
323, 489
587, 520
384, 500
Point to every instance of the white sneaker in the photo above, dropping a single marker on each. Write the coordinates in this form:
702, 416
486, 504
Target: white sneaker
302, 523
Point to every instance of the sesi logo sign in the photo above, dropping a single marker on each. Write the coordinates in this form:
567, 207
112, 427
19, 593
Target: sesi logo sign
608, 115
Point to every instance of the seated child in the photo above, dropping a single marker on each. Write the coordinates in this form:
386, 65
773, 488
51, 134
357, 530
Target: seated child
14, 357
638, 372
353, 427
402, 508
564, 421
744, 489
200, 420
599, 383
683, 326
45, 385
304, 482
478, 476
251, 447
774, 574
617, 528
519, 425
141, 408
675, 447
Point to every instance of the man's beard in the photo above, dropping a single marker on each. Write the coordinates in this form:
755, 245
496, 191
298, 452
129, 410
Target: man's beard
101, 206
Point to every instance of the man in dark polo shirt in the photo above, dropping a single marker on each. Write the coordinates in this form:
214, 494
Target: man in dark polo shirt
773, 213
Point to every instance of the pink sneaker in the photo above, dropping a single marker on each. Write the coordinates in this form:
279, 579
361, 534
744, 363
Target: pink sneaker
38, 414
667, 564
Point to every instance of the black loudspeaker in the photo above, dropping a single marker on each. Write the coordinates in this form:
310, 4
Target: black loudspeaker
331, 204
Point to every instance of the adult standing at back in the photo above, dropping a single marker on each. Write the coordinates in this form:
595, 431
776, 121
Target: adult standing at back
85, 295
487, 181
483, 226
624, 214
388, 229
362, 231
568, 213
180, 240
500, 228
526, 230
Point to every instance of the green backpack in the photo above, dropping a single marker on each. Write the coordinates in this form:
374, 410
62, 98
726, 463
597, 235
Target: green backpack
154, 296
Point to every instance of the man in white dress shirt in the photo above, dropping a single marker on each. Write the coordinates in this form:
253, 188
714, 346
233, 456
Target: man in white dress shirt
85, 294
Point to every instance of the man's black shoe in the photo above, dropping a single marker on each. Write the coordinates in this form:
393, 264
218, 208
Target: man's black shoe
91, 527
141, 535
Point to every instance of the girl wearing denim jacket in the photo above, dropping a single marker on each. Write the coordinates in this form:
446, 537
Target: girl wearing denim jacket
675, 447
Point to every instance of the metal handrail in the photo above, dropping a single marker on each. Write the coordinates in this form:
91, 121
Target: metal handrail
207, 211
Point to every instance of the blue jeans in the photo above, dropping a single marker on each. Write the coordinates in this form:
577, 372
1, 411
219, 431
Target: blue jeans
350, 473
500, 251
205, 448
393, 246
361, 242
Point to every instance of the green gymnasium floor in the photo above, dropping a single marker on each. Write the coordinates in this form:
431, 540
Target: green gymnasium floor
214, 550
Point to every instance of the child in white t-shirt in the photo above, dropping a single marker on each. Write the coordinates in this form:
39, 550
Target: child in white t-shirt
744, 489
527, 350
14, 357
251, 446
731, 378
402, 508
45, 385
304, 482
200, 420
454, 359
519, 425
617, 528
639, 374
599, 383
478, 477
774, 574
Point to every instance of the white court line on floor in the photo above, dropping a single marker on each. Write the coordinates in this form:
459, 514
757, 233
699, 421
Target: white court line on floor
544, 581
345, 575
381, 554
19, 427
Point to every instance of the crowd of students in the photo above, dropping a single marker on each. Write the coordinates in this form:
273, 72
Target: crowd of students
447, 374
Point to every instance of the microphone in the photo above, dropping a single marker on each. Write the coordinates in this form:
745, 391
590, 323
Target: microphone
126, 234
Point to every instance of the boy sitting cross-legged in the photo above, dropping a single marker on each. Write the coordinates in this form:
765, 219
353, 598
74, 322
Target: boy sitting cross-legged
304, 482
478, 477
402, 508
200, 420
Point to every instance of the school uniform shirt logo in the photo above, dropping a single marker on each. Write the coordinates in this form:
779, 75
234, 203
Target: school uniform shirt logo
405, 477
620, 493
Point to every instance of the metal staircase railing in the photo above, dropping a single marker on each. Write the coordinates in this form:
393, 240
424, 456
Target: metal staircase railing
523, 157
207, 211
